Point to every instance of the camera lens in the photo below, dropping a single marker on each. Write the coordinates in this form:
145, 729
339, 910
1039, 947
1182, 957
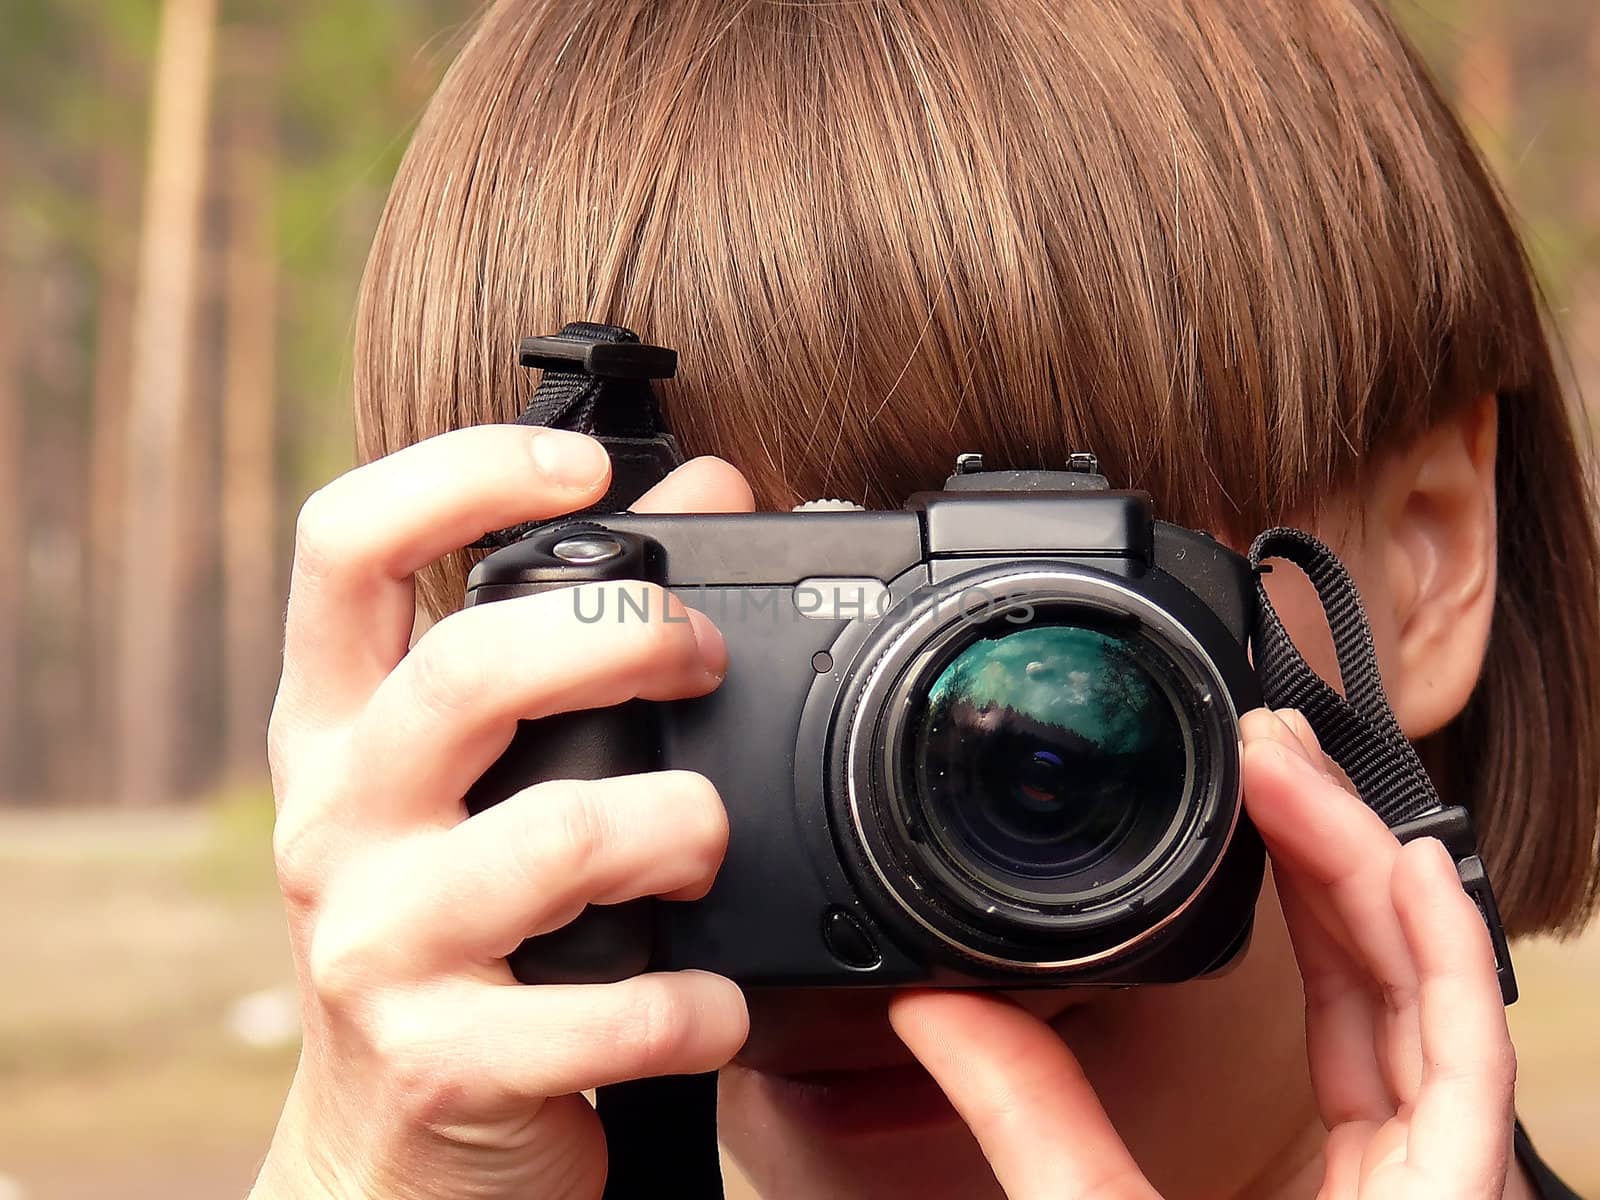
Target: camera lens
1043, 779
1047, 759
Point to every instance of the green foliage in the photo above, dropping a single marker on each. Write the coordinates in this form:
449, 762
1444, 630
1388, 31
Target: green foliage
354, 80
349, 80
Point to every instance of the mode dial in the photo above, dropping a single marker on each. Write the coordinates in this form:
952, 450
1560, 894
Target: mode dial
828, 506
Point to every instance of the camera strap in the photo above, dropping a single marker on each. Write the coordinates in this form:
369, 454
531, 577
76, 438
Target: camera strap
597, 381
1358, 729
662, 1133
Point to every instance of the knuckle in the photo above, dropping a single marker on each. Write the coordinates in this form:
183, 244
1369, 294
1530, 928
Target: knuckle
339, 968
278, 752
1398, 995
291, 737
1503, 1065
661, 1025
423, 1079
1295, 721
298, 862
626, 631
448, 667
278, 743
658, 630
318, 543
704, 813
580, 829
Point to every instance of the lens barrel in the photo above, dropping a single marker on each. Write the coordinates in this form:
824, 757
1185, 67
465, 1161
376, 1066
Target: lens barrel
1041, 767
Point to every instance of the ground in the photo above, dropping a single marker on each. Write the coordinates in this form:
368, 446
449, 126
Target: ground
128, 940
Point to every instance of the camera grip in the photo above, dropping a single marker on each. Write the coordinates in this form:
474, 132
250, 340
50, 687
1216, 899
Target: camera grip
605, 943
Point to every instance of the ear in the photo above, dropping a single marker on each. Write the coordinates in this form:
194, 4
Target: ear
1434, 527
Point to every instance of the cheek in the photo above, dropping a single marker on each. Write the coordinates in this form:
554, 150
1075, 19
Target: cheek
1301, 612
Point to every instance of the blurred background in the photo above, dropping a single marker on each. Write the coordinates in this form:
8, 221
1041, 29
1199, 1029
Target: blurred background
187, 191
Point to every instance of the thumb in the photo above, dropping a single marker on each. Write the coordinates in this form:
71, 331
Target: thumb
1022, 1094
701, 485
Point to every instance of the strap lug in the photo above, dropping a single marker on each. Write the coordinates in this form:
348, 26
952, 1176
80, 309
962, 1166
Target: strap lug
1453, 827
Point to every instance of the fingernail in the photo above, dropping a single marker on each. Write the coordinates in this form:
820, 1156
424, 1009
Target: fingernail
569, 459
713, 648
1284, 736
1287, 756
1293, 755
1443, 863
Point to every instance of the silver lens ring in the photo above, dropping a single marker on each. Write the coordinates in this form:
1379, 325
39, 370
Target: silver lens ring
931, 620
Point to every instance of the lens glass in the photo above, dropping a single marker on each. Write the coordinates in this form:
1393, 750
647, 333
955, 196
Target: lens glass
1047, 758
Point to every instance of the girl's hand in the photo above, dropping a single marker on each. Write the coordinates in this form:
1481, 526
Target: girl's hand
1410, 1057
427, 1071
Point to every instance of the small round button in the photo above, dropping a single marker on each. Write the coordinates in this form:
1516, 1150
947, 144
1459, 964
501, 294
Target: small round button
585, 548
848, 940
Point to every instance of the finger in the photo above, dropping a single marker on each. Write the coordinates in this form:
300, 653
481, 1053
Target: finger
1341, 1035
1461, 1124
1295, 722
451, 706
1022, 1094
1323, 836
1342, 1157
486, 1048
702, 485
532, 863
362, 537
1288, 777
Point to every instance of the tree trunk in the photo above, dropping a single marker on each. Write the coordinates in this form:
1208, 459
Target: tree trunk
159, 400
251, 618
107, 555
13, 531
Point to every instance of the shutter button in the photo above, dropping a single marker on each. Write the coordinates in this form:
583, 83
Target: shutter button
848, 941
586, 548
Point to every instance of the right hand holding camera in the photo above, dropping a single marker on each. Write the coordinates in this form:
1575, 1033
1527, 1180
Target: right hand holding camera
426, 1068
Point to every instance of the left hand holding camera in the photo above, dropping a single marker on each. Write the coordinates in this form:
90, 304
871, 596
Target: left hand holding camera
1410, 1057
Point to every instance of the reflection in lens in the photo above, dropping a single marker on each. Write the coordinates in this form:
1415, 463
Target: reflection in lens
1048, 751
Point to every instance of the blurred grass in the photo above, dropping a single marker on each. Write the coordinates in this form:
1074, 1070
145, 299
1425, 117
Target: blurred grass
127, 939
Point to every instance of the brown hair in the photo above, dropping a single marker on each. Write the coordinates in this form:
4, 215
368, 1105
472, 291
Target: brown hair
1237, 247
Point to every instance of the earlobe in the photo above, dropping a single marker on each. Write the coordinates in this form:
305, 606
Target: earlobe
1440, 526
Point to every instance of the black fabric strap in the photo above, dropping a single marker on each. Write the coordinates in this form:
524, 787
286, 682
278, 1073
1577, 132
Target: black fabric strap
661, 1137
1358, 730
597, 381
661, 1134
1546, 1185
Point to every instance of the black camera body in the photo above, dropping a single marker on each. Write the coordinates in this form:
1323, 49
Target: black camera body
988, 740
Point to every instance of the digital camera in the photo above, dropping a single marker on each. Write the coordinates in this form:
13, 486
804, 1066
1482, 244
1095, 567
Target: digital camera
988, 740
